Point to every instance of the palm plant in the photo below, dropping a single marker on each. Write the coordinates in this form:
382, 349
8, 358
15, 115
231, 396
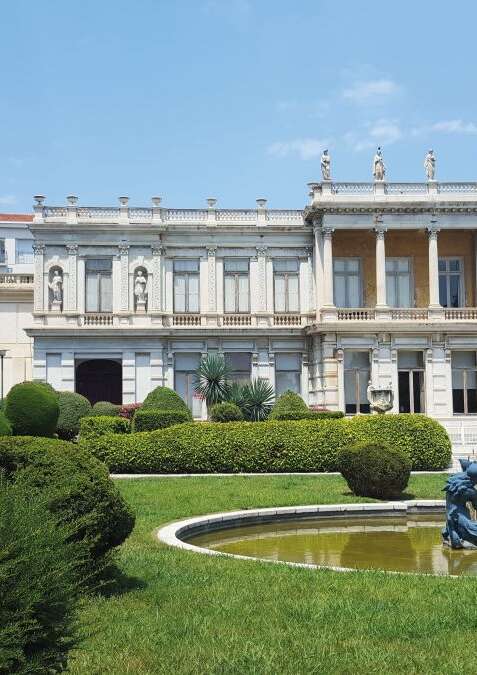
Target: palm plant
211, 379
258, 397
235, 394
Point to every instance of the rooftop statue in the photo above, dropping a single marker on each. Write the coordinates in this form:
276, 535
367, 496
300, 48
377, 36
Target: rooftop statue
326, 165
461, 499
430, 165
379, 170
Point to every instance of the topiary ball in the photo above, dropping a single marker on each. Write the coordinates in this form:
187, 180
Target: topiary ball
5, 426
375, 470
32, 409
105, 408
164, 398
290, 406
226, 412
73, 407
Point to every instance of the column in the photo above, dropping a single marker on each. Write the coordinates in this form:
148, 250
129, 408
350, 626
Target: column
124, 275
318, 266
211, 279
39, 252
155, 299
434, 305
328, 308
71, 300
261, 301
381, 300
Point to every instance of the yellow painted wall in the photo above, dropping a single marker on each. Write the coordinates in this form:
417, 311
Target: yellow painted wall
412, 244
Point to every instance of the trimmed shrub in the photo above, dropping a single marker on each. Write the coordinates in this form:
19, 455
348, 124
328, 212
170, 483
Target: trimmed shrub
73, 407
93, 427
421, 438
77, 490
233, 447
105, 408
226, 412
163, 398
5, 426
151, 419
375, 470
290, 406
128, 410
39, 586
326, 414
32, 409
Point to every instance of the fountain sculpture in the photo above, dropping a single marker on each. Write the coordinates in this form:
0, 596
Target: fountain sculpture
461, 501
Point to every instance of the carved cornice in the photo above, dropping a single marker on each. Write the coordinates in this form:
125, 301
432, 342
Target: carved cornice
311, 213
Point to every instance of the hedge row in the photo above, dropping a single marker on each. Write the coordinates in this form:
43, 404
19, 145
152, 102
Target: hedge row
93, 427
306, 445
150, 419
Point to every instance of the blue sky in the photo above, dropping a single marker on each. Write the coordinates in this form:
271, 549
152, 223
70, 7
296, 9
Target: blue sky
233, 99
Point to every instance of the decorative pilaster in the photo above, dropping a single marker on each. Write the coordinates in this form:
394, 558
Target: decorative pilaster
211, 278
155, 300
71, 299
381, 299
124, 274
318, 246
329, 309
435, 309
38, 293
262, 278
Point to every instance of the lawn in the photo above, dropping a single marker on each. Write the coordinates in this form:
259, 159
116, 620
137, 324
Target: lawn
180, 612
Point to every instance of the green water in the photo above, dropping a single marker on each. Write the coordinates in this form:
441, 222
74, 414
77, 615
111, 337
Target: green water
406, 544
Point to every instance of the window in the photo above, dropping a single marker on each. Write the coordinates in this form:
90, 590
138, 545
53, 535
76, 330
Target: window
356, 379
99, 285
347, 282
464, 383
23, 251
451, 282
239, 363
287, 373
286, 285
186, 286
411, 381
236, 285
398, 282
3, 255
185, 366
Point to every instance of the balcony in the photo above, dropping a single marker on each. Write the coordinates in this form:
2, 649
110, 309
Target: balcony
401, 314
16, 284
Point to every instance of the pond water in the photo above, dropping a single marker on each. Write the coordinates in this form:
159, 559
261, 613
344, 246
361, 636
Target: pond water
405, 544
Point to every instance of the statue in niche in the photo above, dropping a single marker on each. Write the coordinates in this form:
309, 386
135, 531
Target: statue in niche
461, 503
379, 170
140, 292
56, 287
430, 165
326, 165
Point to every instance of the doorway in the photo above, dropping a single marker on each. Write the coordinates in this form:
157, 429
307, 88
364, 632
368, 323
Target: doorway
100, 380
411, 382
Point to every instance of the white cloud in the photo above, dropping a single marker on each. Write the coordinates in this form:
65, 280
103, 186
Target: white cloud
447, 127
7, 200
382, 132
305, 148
370, 91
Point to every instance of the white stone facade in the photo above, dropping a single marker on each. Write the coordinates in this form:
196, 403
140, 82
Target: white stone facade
280, 271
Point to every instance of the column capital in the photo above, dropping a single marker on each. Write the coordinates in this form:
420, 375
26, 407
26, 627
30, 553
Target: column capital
39, 248
433, 230
261, 250
157, 249
72, 249
317, 220
123, 248
211, 250
380, 231
327, 231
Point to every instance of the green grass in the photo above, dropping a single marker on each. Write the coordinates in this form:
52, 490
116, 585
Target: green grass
181, 612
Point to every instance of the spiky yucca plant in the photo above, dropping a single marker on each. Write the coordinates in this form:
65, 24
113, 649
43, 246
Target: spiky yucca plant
211, 379
258, 397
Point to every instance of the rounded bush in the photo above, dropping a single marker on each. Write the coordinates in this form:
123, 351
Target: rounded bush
423, 440
32, 409
93, 427
226, 412
39, 585
5, 426
77, 489
105, 408
375, 470
163, 398
151, 419
73, 407
290, 406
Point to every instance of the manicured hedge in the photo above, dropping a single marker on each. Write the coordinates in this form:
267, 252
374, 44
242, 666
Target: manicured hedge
102, 408
421, 438
93, 427
77, 489
5, 426
39, 585
306, 445
375, 470
32, 409
291, 406
151, 419
73, 407
226, 412
163, 398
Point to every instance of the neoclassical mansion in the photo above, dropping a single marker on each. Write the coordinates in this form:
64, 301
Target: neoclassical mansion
370, 282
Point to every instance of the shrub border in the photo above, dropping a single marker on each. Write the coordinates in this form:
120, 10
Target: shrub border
174, 533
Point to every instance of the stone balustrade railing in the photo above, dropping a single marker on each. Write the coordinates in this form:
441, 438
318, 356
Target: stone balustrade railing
327, 190
10, 280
